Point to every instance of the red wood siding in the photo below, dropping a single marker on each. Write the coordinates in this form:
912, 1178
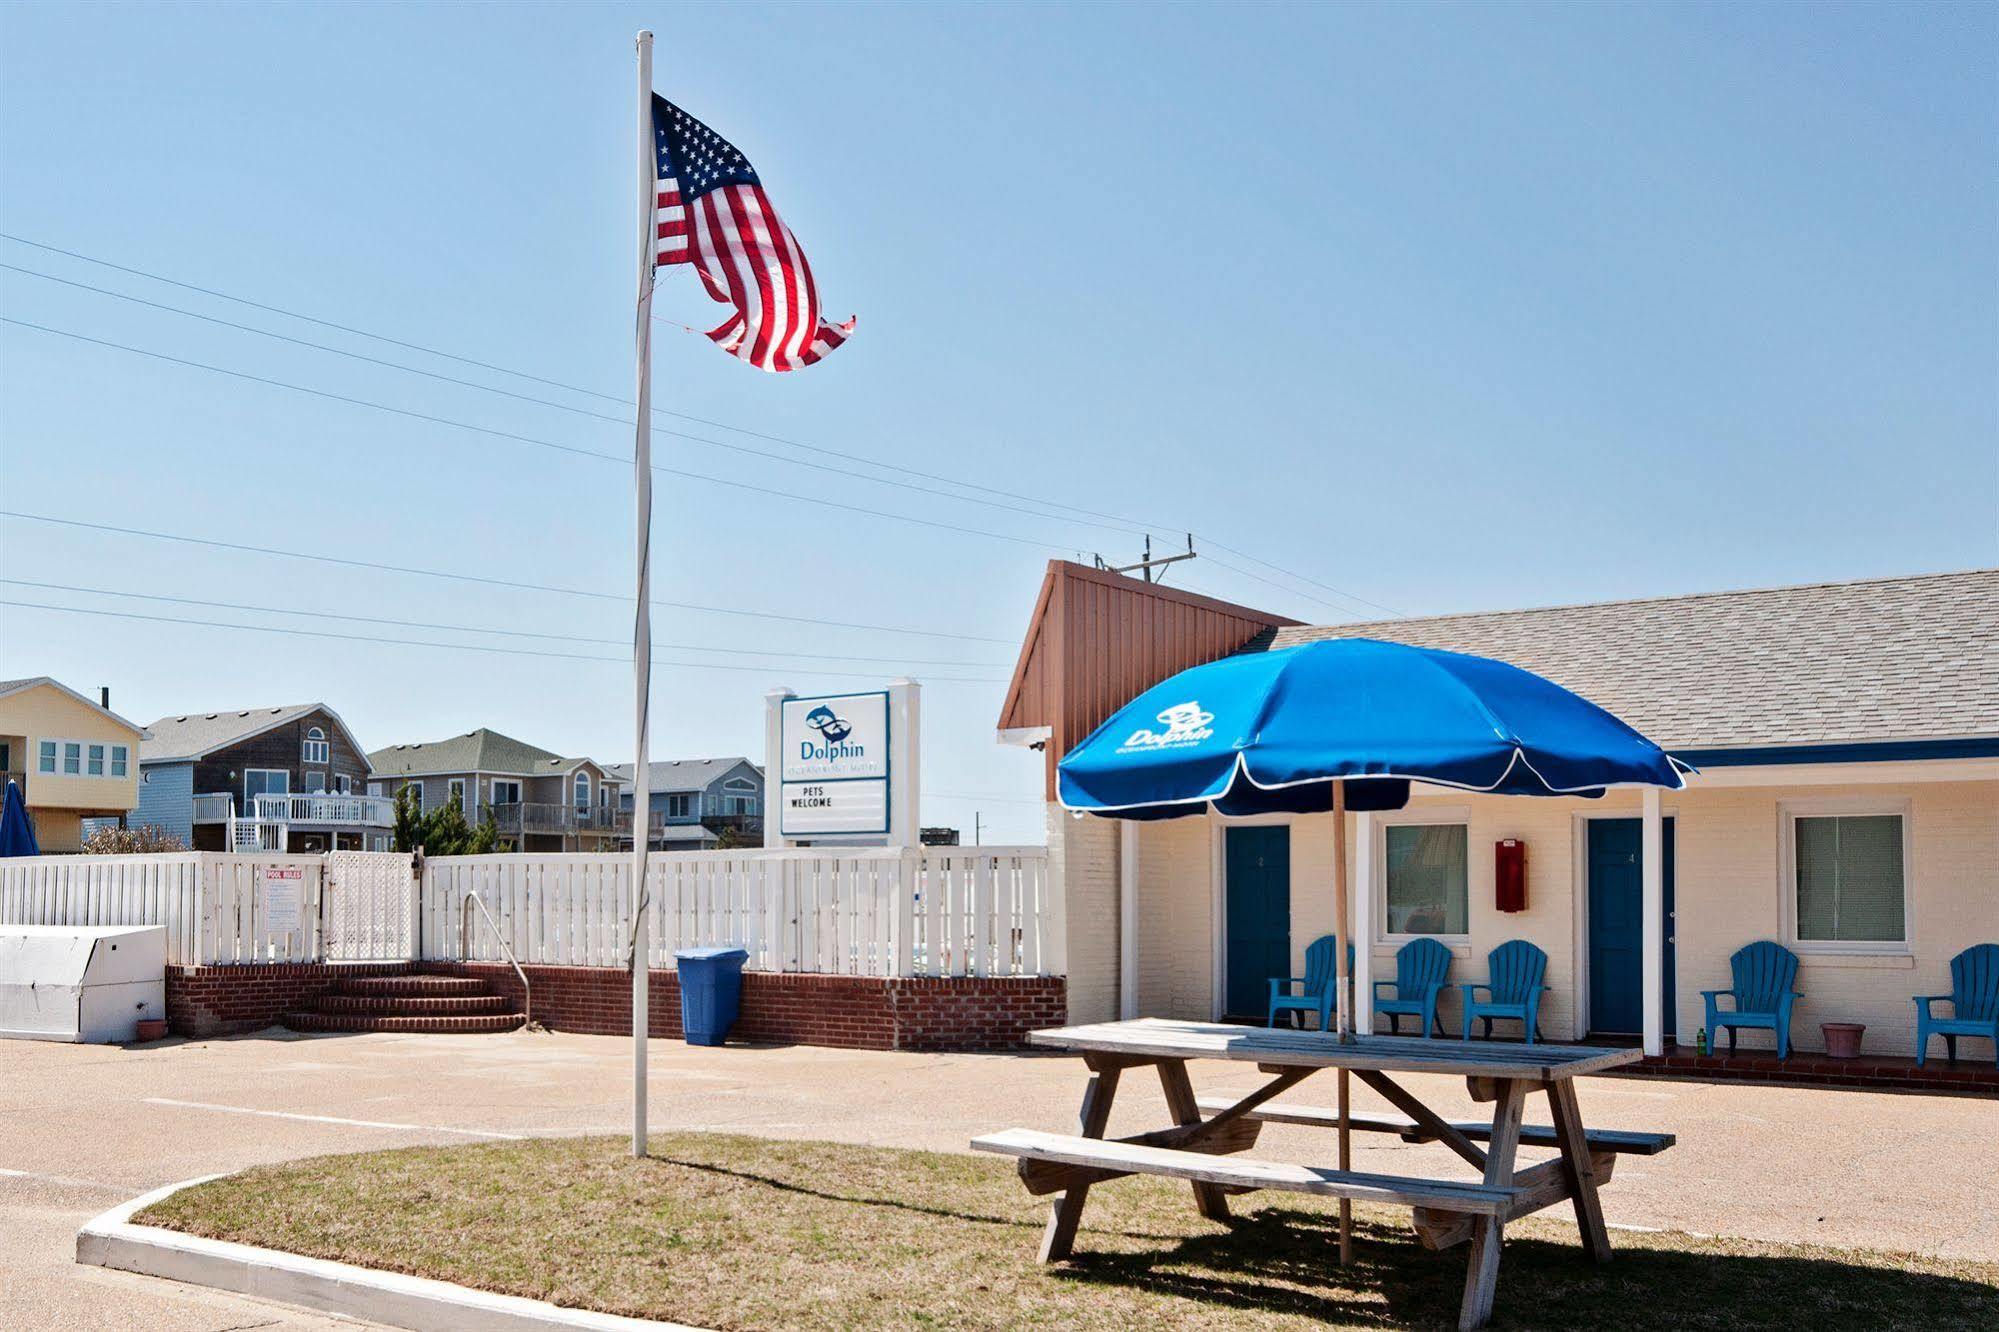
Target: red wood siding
1098, 639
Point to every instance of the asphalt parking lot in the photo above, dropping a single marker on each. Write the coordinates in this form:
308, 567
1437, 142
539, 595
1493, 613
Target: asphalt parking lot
84, 1127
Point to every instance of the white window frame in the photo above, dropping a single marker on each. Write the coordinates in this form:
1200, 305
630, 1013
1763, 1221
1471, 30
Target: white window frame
53, 758
1788, 813
378, 788
416, 784
316, 749
249, 802
315, 776
1403, 818
343, 784
580, 778
69, 758
120, 765
96, 757
454, 794
513, 786
686, 800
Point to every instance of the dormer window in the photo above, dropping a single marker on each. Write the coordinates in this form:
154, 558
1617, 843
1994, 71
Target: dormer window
316, 748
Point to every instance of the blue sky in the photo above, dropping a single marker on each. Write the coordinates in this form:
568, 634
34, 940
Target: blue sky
1446, 307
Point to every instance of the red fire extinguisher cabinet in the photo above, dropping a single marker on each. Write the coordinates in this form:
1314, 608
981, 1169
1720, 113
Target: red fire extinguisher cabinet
1509, 874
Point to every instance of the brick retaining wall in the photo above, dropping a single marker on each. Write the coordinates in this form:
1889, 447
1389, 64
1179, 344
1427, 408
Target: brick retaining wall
222, 1000
856, 1012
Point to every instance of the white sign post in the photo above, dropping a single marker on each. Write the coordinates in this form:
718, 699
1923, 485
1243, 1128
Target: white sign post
842, 767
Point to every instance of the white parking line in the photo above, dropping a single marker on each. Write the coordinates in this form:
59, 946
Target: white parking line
333, 1119
69, 1181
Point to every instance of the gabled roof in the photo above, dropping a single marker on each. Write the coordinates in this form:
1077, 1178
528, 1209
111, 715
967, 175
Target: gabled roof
1885, 659
683, 774
483, 750
20, 686
196, 735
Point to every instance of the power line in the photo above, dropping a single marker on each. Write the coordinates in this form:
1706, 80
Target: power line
1128, 523
813, 500
558, 406
461, 647
483, 629
488, 581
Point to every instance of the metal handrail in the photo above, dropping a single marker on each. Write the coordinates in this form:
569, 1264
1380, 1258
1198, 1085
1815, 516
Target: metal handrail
465, 949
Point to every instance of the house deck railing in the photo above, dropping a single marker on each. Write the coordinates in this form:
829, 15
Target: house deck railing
329, 808
517, 817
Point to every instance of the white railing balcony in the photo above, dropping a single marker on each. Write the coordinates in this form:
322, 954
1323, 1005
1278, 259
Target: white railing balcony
219, 807
326, 807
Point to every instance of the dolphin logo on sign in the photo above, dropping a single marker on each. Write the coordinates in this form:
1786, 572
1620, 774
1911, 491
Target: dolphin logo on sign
829, 724
1186, 724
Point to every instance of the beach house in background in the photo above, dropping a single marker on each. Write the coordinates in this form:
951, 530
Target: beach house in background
539, 800
1846, 810
276, 779
76, 761
698, 804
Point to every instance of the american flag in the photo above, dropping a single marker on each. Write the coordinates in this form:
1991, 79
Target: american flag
714, 215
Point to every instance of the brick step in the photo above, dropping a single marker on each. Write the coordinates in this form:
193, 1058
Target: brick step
408, 1005
476, 1022
425, 986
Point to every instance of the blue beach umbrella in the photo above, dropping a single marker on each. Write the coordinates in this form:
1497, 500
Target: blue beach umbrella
1269, 732
17, 834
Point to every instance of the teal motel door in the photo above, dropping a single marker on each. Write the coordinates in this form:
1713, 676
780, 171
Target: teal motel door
1256, 917
1617, 928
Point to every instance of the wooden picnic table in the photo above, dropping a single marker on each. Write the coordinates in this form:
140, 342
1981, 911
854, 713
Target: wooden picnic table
1445, 1212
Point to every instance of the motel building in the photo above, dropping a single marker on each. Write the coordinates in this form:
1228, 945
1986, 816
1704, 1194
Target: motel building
1846, 807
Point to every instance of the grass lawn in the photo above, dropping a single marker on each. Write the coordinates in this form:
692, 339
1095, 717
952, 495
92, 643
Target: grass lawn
737, 1232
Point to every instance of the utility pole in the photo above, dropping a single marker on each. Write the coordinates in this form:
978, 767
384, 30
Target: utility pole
1145, 567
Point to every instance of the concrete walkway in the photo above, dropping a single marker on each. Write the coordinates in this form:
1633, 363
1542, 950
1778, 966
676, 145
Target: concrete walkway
82, 1127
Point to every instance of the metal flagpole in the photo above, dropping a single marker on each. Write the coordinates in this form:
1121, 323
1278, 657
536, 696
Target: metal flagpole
642, 619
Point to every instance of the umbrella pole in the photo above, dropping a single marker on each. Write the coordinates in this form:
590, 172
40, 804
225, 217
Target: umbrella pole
1343, 993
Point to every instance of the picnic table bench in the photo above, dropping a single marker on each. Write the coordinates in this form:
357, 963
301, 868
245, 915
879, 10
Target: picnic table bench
1201, 1147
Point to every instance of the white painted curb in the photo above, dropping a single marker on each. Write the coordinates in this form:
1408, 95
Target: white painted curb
111, 1240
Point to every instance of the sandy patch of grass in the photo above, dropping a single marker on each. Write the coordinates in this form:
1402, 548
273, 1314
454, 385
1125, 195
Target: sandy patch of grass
738, 1233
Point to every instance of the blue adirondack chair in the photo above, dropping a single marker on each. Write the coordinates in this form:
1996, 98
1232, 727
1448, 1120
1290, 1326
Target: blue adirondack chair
1516, 968
1974, 1003
1764, 974
1420, 969
1319, 994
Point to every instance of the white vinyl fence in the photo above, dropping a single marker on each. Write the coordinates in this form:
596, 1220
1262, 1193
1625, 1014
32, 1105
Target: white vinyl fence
938, 911
213, 905
934, 911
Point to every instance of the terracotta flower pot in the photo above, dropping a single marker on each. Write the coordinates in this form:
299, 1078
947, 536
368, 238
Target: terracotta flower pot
1842, 1039
151, 1029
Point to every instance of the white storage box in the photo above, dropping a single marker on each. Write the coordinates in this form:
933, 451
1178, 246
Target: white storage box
81, 982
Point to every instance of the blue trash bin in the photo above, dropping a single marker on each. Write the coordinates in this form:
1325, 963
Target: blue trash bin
711, 992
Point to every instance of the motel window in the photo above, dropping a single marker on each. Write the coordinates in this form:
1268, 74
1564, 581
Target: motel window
94, 760
120, 756
1424, 878
45, 760
1849, 879
316, 748
72, 758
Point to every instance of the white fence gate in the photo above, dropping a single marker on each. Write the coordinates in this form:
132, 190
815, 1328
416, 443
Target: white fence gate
369, 909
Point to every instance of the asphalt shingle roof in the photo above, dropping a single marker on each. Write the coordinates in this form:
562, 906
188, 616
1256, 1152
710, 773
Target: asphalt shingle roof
483, 750
196, 733
1912, 658
680, 774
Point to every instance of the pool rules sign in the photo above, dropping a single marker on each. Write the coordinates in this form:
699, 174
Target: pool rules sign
840, 761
